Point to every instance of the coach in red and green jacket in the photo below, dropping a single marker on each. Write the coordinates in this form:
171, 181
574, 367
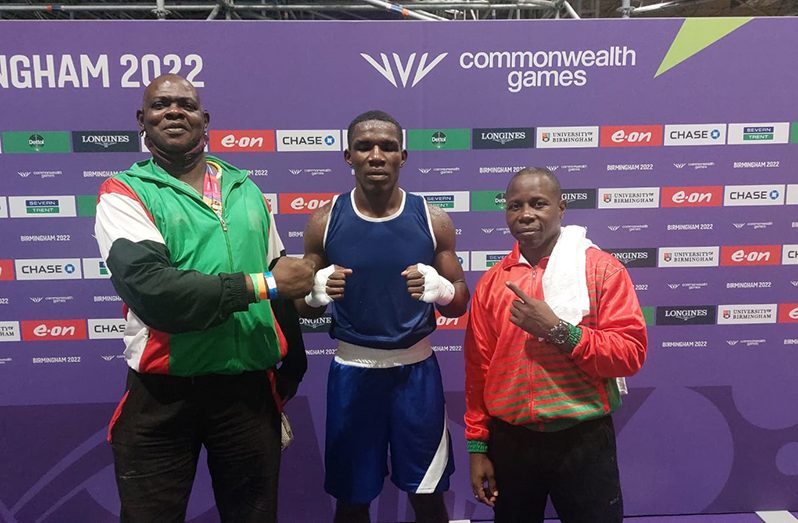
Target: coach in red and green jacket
539, 391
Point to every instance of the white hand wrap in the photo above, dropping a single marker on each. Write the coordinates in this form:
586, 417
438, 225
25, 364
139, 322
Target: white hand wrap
437, 289
318, 296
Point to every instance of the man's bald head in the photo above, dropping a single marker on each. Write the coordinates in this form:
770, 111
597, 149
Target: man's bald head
169, 79
172, 117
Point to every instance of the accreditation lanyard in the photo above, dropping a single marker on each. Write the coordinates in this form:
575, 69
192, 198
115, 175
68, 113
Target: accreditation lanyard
212, 188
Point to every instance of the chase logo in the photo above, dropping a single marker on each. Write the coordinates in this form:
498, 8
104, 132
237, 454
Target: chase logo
465, 259
41, 206
309, 140
759, 133
3, 207
789, 254
48, 269
484, 260
750, 195
404, 68
455, 201
703, 134
106, 329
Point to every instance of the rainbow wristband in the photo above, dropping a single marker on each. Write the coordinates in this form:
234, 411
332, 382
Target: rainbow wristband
271, 283
262, 288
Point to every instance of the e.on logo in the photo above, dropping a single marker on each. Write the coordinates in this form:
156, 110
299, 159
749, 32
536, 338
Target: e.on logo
303, 203
241, 141
788, 313
44, 330
445, 323
745, 255
631, 135
702, 196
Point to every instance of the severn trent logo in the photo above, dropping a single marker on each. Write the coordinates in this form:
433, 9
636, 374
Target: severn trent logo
404, 68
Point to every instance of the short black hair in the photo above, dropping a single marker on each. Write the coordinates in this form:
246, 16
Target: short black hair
541, 171
378, 115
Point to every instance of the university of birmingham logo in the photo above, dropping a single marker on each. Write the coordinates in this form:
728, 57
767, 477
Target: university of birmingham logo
422, 69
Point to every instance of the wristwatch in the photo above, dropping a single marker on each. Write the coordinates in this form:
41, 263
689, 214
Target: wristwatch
559, 334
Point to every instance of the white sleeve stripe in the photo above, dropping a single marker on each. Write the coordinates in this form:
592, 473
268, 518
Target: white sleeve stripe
119, 216
327, 225
429, 224
275, 246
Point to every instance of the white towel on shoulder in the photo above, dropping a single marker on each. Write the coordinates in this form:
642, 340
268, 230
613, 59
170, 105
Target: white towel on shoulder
565, 282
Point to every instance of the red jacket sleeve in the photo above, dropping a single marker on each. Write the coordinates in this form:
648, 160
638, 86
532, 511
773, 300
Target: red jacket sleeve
617, 346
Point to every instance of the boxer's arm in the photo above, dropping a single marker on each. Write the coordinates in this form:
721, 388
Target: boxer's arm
447, 264
314, 251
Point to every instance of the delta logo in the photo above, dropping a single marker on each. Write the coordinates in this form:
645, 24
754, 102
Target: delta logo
6, 270
695, 134
751, 195
759, 133
455, 201
631, 135
788, 313
309, 140
748, 255
699, 196
42, 206
242, 141
53, 330
303, 203
106, 328
446, 324
747, 314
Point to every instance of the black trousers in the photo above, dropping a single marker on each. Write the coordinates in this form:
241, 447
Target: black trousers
577, 467
162, 423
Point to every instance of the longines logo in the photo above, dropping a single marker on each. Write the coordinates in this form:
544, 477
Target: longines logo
105, 141
321, 324
635, 257
404, 69
686, 315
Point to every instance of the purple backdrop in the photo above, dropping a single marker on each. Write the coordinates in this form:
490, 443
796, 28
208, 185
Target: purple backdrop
688, 177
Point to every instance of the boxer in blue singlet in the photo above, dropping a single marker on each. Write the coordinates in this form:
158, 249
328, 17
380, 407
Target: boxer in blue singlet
389, 260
